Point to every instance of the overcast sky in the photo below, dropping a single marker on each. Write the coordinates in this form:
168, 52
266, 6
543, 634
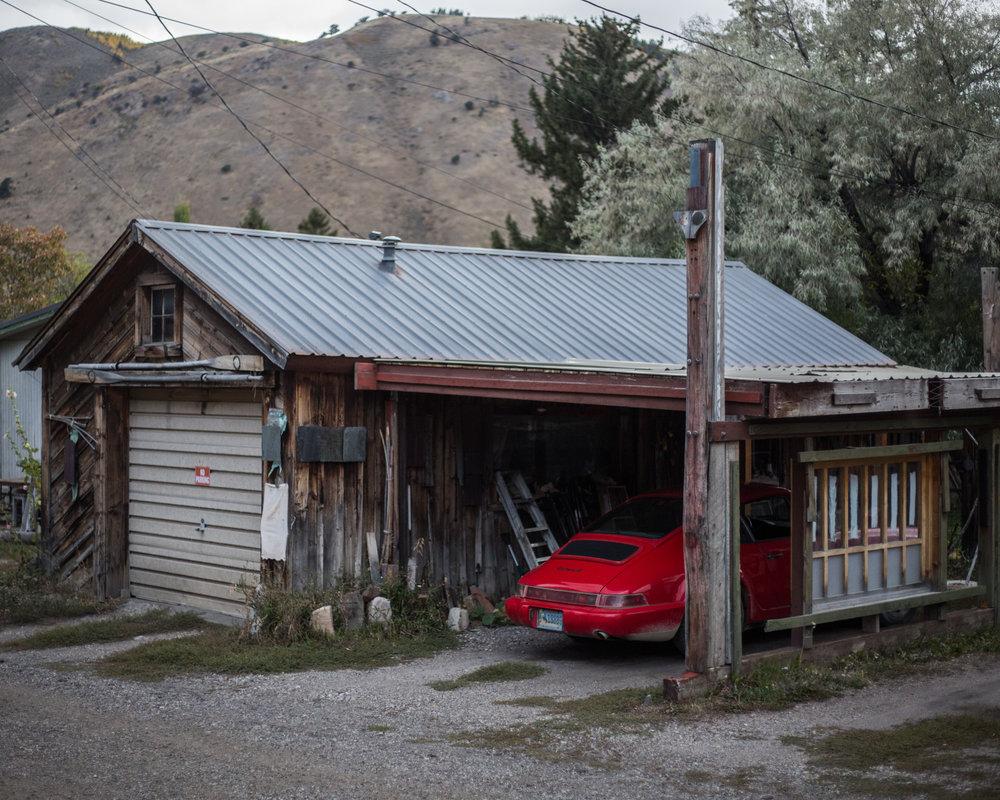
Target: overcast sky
306, 19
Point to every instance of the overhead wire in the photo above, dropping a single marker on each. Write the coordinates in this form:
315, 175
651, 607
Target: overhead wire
311, 112
345, 65
94, 168
958, 201
265, 128
794, 76
246, 128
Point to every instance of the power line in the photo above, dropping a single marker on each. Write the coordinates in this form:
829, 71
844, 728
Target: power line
245, 127
316, 57
810, 81
395, 150
97, 174
132, 201
825, 168
266, 129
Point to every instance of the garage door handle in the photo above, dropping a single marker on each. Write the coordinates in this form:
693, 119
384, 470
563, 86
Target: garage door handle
773, 555
201, 526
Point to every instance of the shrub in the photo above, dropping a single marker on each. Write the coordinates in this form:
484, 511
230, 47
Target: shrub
225, 169
455, 158
283, 616
469, 105
435, 39
6, 188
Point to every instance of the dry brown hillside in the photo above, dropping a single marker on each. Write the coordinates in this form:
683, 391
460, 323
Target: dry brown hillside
171, 145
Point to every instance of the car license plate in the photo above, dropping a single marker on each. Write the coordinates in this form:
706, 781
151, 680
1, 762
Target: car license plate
549, 620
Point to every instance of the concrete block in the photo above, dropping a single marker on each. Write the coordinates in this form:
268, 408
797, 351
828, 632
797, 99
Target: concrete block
321, 620
380, 611
458, 619
353, 609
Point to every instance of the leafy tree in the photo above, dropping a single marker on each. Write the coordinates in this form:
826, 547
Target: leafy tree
35, 269
182, 212
840, 202
603, 83
254, 220
333, 30
316, 223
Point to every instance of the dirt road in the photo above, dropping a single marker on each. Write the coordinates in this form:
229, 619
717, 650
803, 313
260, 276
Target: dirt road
66, 733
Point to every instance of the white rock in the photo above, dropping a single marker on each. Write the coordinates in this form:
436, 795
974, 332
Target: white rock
322, 620
458, 619
379, 611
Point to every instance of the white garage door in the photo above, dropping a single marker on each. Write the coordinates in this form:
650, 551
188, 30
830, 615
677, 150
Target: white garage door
194, 497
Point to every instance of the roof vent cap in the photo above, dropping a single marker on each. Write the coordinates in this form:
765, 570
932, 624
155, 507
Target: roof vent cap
389, 243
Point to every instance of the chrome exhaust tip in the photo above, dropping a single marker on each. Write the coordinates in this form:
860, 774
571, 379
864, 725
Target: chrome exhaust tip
601, 635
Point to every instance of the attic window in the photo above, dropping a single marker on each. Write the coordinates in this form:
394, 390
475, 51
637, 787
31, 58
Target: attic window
161, 314
158, 319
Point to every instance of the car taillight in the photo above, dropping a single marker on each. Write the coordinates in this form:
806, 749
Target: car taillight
522, 590
621, 600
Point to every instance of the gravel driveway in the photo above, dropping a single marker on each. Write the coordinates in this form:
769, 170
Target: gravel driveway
65, 733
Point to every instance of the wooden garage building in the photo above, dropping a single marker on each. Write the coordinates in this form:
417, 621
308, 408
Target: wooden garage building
387, 384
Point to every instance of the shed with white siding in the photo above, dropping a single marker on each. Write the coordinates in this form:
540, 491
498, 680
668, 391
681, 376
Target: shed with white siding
15, 333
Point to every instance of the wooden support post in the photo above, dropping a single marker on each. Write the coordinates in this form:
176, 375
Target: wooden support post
991, 318
989, 545
803, 514
735, 588
706, 466
111, 493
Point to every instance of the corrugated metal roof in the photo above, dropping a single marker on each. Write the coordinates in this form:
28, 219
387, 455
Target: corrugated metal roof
327, 296
26, 322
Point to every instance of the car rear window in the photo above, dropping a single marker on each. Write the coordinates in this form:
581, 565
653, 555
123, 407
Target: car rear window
649, 517
595, 548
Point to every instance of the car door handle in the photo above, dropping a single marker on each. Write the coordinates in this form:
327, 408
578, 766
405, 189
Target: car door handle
773, 555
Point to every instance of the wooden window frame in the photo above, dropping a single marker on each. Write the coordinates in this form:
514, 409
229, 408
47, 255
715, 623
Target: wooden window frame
927, 522
145, 347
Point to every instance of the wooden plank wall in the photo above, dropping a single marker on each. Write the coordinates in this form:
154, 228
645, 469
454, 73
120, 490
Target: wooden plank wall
331, 506
447, 515
103, 330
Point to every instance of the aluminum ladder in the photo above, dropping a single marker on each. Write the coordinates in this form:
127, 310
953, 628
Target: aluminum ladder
535, 539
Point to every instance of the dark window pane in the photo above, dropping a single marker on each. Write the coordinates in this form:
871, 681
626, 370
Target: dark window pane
595, 548
168, 301
651, 517
168, 329
156, 332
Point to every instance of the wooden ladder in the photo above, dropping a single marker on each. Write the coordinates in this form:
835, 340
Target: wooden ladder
535, 539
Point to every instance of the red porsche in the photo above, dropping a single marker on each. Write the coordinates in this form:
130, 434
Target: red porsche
623, 577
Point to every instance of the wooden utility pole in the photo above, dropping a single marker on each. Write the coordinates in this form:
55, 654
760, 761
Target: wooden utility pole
707, 497
991, 318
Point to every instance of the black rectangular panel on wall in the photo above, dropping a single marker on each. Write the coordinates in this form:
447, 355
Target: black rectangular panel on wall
316, 443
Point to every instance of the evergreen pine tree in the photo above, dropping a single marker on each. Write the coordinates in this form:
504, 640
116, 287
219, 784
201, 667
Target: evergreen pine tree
316, 223
182, 212
606, 80
254, 220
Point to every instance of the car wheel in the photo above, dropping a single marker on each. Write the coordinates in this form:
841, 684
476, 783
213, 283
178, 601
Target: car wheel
899, 617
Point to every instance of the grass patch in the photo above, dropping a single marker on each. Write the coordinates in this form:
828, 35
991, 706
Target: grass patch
225, 652
380, 728
572, 729
493, 673
953, 755
575, 728
108, 630
773, 687
27, 595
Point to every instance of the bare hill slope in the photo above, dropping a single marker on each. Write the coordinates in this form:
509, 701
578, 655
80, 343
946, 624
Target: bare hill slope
170, 145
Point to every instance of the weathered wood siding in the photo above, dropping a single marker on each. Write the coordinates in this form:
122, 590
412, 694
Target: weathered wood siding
331, 506
103, 330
